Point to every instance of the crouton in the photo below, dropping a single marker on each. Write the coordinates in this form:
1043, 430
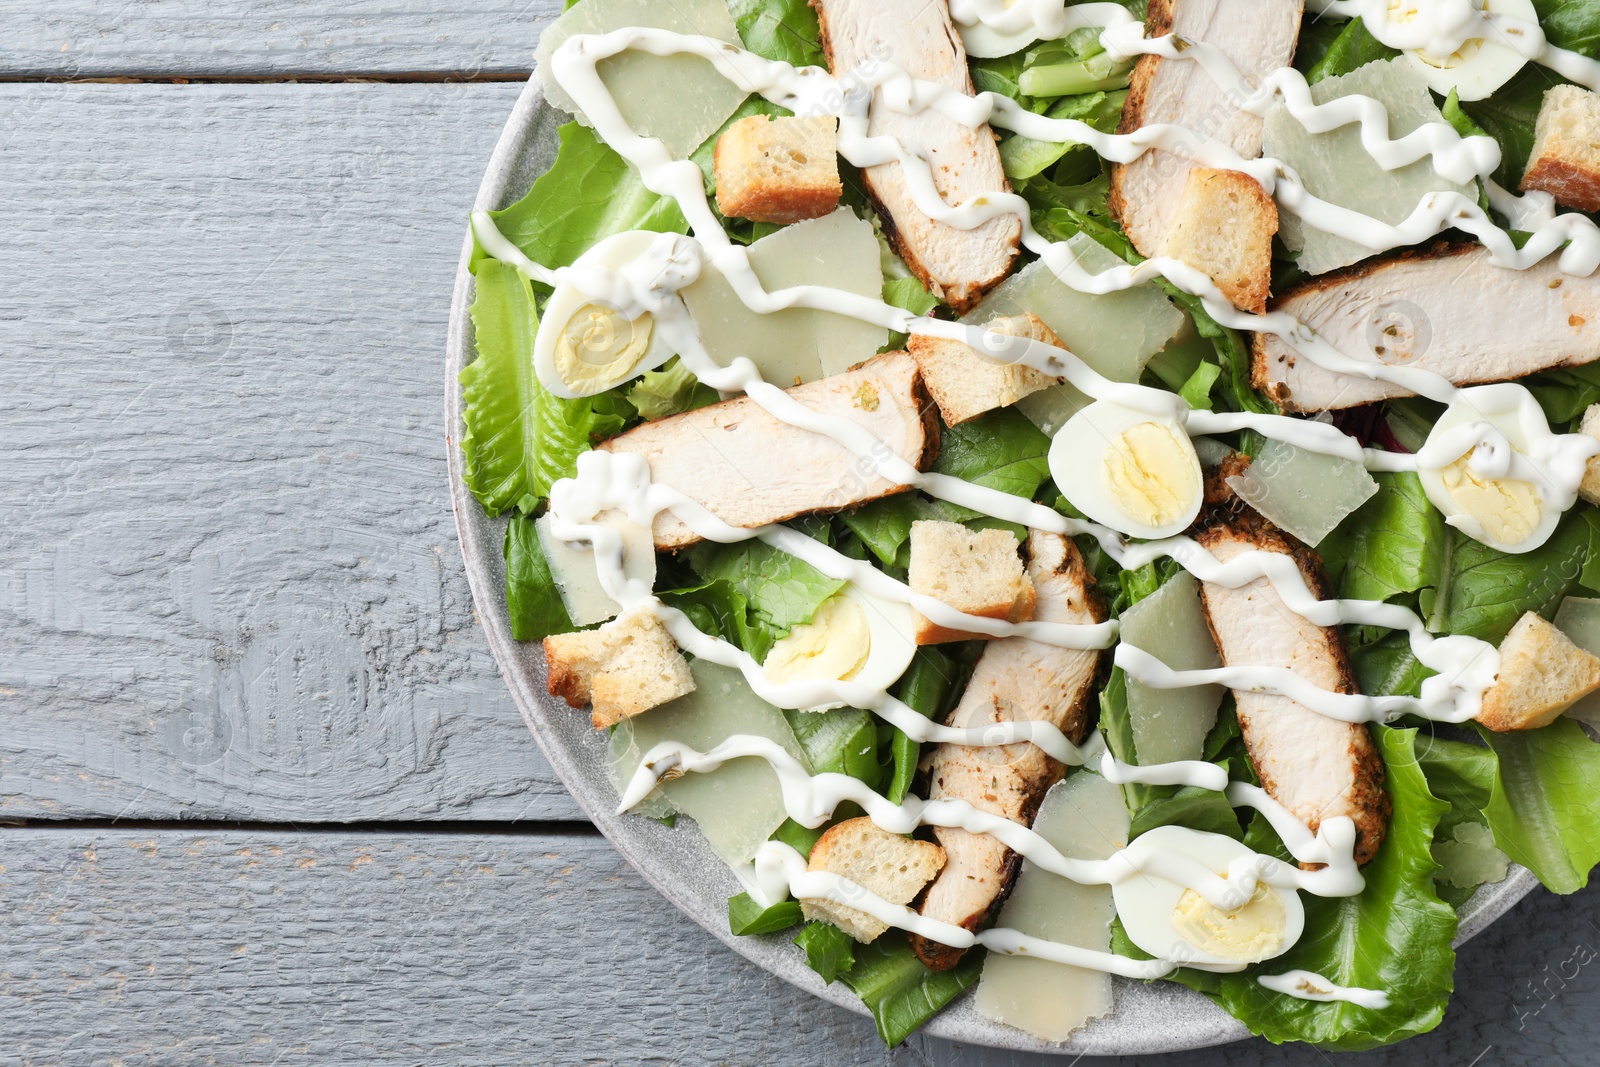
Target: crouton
778, 169
965, 383
884, 864
1542, 674
1565, 161
627, 666
1590, 488
978, 572
1224, 226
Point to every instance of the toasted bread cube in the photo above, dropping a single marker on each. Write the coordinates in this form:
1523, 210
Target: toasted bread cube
978, 572
1224, 227
1565, 161
1590, 487
778, 169
1542, 674
884, 864
965, 383
629, 665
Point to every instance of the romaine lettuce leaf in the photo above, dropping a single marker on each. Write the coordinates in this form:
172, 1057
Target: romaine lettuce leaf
783, 591
1353, 46
518, 438
841, 741
1543, 801
1482, 592
1001, 450
590, 192
669, 391
1022, 157
532, 601
782, 30
930, 687
829, 950
1390, 545
1394, 936
902, 993
746, 917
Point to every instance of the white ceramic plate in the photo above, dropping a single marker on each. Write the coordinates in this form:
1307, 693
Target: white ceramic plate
1149, 1018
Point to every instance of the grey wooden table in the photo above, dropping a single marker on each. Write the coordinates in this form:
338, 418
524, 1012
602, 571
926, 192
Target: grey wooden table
265, 797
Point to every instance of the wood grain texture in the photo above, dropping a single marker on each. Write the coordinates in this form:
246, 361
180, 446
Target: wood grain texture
230, 585
182, 948
153, 38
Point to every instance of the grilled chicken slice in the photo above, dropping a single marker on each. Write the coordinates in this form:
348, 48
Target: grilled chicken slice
1448, 310
1259, 37
1315, 766
1015, 680
750, 469
957, 266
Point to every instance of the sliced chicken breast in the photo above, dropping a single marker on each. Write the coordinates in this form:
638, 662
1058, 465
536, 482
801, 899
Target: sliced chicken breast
1015, 680
750, 469
1448, 310
1315, 766
956, 265
1259, 37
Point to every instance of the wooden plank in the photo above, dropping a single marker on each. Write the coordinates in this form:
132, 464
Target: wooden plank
85, 39
175, 948
230, 583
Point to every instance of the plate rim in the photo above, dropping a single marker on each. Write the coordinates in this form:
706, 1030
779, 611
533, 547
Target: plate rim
484, 572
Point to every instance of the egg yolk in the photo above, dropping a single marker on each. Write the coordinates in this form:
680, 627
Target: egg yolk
1507, 509
1148, 471
1248, 933
597, 348
833, 646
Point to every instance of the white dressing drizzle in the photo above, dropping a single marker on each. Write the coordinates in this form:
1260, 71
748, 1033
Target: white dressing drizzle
1466, 666
810, 800
1308, 985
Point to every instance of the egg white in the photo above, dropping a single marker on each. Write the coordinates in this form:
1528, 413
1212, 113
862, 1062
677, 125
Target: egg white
613, 253
1489, 66
1078, 459
891, 636
1145, 903
1517, 415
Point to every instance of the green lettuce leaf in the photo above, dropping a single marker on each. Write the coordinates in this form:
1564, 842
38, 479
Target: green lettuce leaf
829, 950
841, 741
1394, 936
1353, 46
518, 439
1388, 546
901, 993
1022, 157
783, 591
782, 30
1482, 592
669, 391
532, 601
590, 192
929, 687
1543, 802
909, 293
720, 609
1572, 24
1000, 450
746, 917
